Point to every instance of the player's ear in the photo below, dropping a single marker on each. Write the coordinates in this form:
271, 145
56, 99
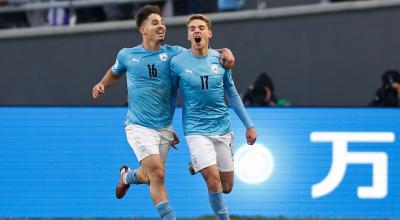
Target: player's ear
141, 29
209, 33
188, 36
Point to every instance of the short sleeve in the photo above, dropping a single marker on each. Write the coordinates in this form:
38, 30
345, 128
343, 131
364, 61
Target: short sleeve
119, 66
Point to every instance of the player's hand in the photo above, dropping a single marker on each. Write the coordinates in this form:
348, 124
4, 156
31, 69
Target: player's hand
98, 90
175, 141
227, 59
251, 136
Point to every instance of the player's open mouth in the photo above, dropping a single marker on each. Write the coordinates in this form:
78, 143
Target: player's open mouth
197, 39
160, 32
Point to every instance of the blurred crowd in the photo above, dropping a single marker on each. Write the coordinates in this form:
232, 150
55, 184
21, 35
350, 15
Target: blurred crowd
106, 12
111, 12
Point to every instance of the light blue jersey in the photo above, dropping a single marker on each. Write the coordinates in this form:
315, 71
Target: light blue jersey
202, 82
149, 84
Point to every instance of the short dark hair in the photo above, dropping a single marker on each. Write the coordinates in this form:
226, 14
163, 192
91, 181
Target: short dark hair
144, 12
202, 17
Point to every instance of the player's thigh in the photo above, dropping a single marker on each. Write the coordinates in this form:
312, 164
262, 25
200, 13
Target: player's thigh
224, 150
165, 143
143, 141
202, 151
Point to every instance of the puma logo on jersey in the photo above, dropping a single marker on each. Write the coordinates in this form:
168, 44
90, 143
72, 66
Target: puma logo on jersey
188, 71
135, 60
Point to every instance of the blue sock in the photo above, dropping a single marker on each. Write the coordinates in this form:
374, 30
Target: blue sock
130, 178
218, 205
165, 210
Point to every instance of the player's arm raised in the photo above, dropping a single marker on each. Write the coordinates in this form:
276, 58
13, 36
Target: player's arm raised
107, 81
227, 59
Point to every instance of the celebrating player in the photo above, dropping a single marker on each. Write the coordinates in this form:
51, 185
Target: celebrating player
202, 81
151, 105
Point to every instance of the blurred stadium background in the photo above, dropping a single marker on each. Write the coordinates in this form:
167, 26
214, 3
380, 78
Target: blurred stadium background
61, 150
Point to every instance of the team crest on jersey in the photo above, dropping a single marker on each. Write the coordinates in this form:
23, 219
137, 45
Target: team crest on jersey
163, 57
214, 68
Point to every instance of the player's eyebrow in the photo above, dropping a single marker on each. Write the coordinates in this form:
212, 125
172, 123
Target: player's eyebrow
199, 26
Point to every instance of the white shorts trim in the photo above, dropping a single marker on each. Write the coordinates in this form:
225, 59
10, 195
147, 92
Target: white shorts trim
147, 141
206, 151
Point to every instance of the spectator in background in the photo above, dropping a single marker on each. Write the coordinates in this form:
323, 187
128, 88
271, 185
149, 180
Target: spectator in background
58, 16
388, 95
261, 93
113, 12
36, 18
71, 15
230, 5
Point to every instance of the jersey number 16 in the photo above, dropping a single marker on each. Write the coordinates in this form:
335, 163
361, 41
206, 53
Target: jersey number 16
152, 70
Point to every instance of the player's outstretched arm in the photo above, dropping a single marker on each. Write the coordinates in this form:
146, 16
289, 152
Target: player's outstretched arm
238, 107
227, 59
108, 80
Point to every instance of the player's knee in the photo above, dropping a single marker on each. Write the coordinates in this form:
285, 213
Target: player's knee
157, 175
214, 184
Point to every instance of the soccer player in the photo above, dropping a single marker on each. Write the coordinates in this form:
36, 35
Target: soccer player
151, 106
206, 123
